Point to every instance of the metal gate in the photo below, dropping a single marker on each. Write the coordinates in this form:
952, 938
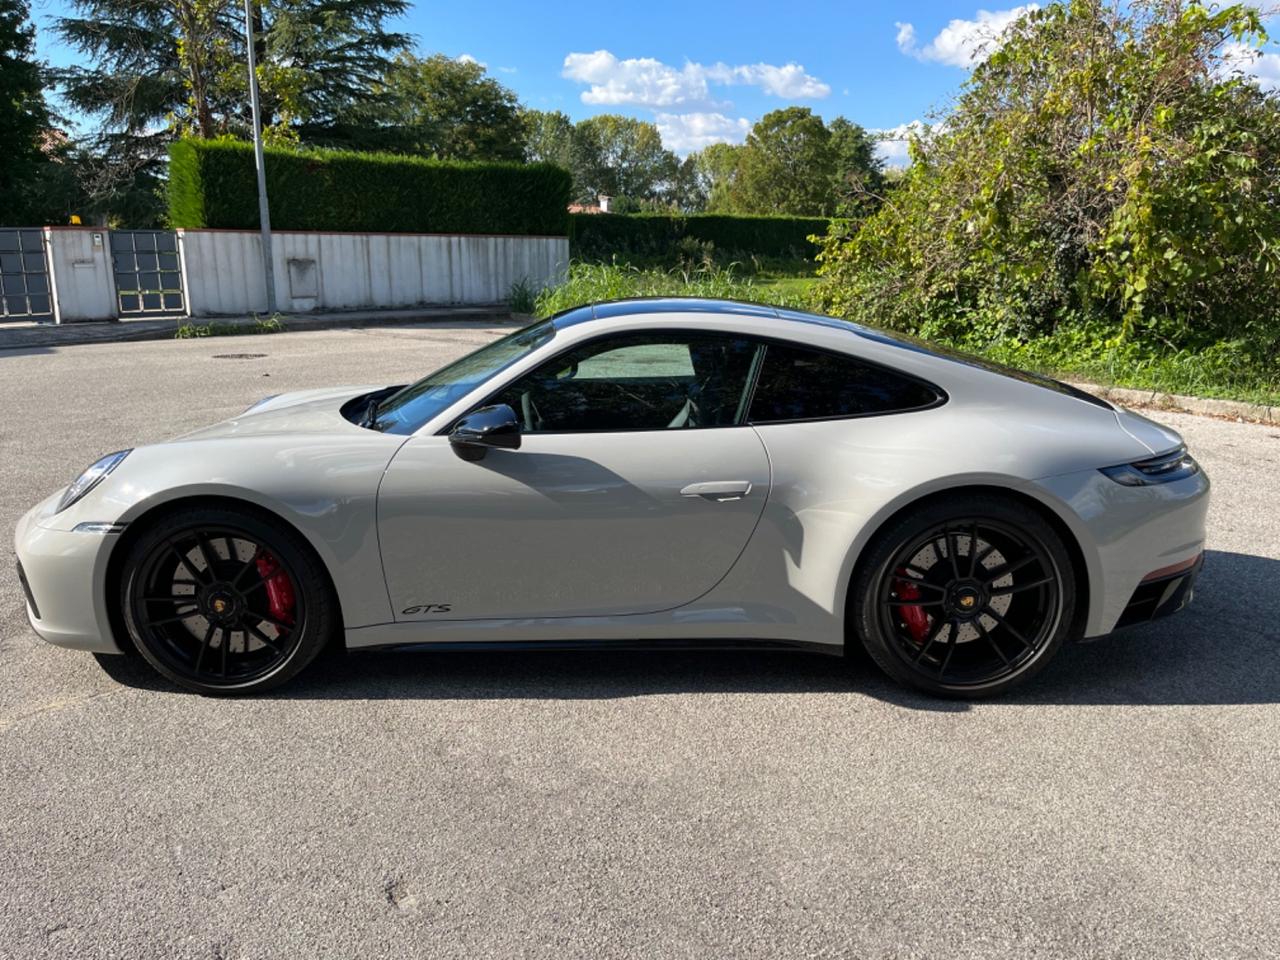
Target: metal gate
24, 276
148, 275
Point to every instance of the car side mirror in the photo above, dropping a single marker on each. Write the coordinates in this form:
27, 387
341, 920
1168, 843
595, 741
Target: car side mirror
495, 426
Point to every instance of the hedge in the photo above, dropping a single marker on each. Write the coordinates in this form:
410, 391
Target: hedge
213, 183
601, 235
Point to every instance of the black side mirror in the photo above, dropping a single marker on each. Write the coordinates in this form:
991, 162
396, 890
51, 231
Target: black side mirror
496, 426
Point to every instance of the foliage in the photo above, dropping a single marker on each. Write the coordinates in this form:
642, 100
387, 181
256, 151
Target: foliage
441, 107
523, 297
793, 163
619, 157
219, 328
605, 236
24, 118
1104, 179
592, 283
212, 183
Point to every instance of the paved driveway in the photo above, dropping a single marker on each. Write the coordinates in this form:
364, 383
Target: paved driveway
747, 805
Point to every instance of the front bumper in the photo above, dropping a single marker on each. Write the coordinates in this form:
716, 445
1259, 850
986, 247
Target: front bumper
1161, 596
63, 574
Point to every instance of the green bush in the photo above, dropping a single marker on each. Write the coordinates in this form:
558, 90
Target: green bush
212, 183
604, 236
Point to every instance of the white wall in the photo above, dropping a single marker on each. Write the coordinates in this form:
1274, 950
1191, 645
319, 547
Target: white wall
80, 273
222, 269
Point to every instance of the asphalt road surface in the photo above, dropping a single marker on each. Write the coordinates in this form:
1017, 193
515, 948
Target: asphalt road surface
1127, 804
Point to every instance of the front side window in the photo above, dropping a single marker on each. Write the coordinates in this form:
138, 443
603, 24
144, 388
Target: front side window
648, 381
800, 384
406, 411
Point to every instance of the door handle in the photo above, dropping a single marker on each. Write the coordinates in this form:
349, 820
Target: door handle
718, 490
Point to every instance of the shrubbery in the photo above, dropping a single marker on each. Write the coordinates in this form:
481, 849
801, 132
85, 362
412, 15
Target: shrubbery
1106, 179
212, 183
604, 236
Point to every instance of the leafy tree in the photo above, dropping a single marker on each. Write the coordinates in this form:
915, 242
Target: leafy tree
717, 170
24, 119
620, 157
548, 137
438, 106
1105, 174
788, 165
858, 176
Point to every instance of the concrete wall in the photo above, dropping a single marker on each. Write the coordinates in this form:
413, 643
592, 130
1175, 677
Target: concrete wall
80, 273
222, 269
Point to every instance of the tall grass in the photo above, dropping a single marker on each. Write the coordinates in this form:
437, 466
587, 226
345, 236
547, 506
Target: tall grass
593, 282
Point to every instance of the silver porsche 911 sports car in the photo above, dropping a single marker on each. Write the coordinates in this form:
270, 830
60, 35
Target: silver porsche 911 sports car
643, 472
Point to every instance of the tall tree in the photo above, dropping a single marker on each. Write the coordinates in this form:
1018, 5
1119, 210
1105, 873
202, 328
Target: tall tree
442, 107
620, 157
787, 165
548, 137
858, 179
717, 169
24, 118
178, 65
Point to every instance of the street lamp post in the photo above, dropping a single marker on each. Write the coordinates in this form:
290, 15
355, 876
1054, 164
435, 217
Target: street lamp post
264, 215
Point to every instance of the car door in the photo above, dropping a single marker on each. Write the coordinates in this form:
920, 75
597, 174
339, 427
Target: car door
635, 488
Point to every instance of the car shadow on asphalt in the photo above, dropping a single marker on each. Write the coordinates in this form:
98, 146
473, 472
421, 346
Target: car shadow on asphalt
1223, 649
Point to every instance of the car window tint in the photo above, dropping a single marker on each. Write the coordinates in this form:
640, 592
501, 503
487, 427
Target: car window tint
637, 382
799, 384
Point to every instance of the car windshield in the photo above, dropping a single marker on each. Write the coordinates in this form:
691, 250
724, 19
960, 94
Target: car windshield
408, 409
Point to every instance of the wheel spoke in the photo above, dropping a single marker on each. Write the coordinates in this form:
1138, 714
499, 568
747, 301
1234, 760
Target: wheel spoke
250, 564
262, 638
262, 618
992, 640
1019, 587
973, 550
1008, 626
206, 554
953, 641
186, 599
912, 603
204, 645
185, 561
1001, 572
160, 623
933, 635
951, 552
923, 583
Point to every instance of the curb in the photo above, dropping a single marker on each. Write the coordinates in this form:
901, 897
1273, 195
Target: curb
124, 331
1178, 403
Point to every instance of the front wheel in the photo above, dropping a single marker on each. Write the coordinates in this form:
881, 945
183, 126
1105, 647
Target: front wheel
966, 597
222, 601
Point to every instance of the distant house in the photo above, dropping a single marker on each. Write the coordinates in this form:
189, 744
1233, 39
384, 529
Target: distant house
600, 206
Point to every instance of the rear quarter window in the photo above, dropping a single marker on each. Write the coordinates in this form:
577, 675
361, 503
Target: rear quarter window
800, 384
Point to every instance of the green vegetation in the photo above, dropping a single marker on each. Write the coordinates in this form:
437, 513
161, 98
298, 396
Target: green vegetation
23, 114
217, 328
698, 237
212, 184
1104, 199
593, 282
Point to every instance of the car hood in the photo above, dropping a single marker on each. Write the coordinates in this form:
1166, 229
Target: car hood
299, 412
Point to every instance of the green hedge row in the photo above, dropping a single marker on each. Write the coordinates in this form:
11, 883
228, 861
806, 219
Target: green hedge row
212, 183
599, 236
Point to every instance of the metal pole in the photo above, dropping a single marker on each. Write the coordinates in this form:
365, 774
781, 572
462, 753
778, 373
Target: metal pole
264, 214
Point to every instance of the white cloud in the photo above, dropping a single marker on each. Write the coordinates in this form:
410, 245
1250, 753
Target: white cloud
1263, 67
686, 132
646, 82
892, 144
962, 43
468, 58
508, 70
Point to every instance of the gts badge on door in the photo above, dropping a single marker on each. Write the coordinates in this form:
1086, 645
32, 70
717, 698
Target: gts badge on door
423, 609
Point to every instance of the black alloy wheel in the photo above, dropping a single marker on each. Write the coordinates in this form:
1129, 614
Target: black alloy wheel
219, 602
966, 598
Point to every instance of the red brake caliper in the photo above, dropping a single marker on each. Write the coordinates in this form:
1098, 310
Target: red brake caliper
915, 618
279, 587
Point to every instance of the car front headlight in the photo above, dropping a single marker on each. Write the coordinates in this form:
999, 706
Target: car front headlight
91, 478
1166, 468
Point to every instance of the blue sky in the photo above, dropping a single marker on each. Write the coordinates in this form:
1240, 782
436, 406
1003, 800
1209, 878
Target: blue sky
705, 71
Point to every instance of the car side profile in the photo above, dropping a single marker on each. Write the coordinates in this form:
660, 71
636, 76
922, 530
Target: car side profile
641, 472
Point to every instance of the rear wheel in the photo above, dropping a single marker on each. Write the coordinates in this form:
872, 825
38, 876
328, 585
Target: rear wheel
221, 601
966, 597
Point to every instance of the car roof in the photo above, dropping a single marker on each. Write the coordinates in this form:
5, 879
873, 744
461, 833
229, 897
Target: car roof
665, 306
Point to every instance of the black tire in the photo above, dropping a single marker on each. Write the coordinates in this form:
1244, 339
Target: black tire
936, 613
229, 588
